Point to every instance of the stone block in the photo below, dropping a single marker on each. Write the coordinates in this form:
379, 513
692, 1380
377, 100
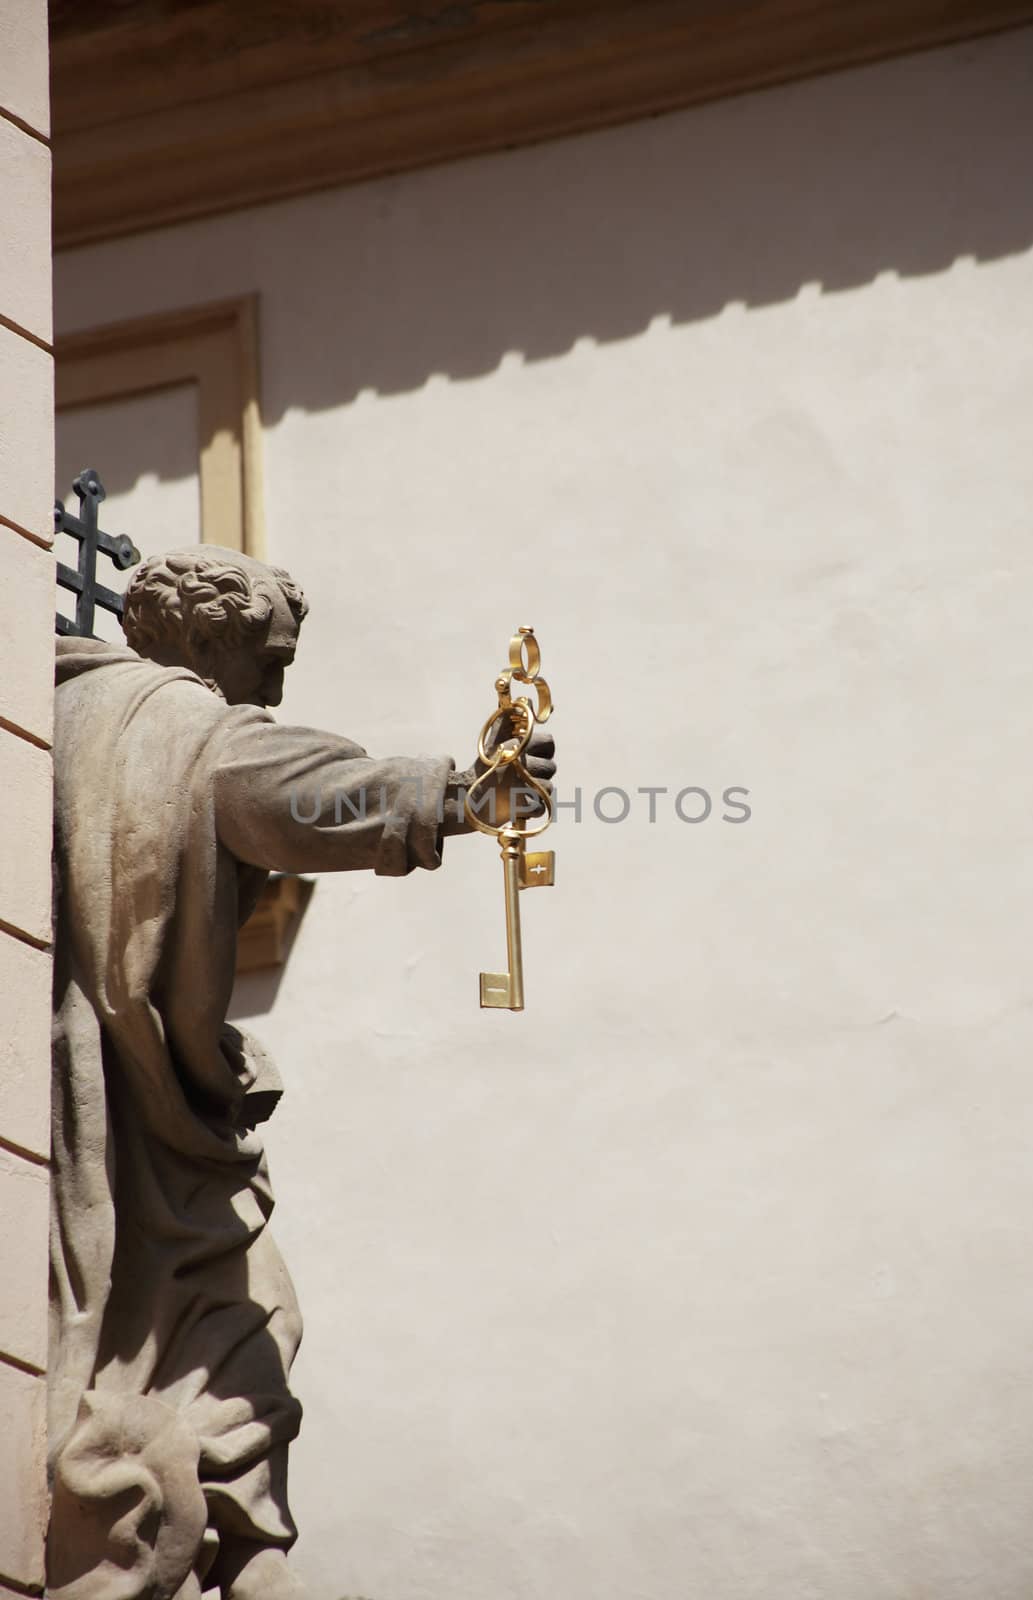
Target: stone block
24, 1211
26, 434
26, 802
25, 1045
25, 63
25, 295
27, 622
23, 1494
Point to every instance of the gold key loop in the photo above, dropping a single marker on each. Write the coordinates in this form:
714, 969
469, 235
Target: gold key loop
543, 694
525, 665
520, 827
511, 749
525, 658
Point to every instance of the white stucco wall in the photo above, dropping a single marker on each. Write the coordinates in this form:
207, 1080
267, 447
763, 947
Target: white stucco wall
708, 1276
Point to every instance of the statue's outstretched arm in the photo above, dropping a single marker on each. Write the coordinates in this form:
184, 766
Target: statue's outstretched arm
299, 800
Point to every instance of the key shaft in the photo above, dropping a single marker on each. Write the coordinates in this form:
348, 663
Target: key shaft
512, 855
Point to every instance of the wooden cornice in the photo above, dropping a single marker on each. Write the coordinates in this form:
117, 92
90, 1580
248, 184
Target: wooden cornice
171, 109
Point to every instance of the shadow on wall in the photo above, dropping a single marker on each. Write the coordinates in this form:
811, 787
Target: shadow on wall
904, 167
255, 991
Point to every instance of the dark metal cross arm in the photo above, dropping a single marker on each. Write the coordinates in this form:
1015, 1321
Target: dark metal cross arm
82, 582
122, 551
68, 578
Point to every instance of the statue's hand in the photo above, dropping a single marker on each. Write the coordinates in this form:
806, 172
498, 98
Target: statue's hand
540, 758
538, 761
512, 793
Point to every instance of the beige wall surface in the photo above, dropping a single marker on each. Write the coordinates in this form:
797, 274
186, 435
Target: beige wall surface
149, 448
709, 1275
26, 694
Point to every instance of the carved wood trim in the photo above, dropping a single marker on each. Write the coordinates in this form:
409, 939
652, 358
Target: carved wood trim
214, 346
220, 103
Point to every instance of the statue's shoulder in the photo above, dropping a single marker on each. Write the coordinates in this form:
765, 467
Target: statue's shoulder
76, 659
74, 655
103, 683
108, 696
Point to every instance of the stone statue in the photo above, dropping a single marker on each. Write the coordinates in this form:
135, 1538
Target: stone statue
174, 1323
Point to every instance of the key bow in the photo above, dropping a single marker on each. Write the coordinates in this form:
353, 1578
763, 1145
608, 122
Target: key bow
525, 662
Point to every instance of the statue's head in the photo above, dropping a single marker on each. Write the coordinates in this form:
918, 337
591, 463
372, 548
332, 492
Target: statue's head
231, 619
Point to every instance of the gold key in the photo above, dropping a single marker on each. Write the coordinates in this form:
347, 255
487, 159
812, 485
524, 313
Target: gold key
522, 869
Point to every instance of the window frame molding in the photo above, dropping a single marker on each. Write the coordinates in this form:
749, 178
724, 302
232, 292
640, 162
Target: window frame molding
214, 346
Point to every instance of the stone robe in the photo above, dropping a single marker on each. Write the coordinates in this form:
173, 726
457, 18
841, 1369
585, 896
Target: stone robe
173, 1315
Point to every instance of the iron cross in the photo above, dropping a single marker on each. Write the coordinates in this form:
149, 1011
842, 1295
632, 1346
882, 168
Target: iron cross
82, 581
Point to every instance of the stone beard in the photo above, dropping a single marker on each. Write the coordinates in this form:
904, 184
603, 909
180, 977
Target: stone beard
174, 1322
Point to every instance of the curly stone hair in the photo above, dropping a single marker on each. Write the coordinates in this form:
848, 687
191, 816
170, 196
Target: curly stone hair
197, 597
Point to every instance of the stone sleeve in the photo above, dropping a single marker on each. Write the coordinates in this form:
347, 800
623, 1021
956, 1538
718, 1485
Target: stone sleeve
298, 800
